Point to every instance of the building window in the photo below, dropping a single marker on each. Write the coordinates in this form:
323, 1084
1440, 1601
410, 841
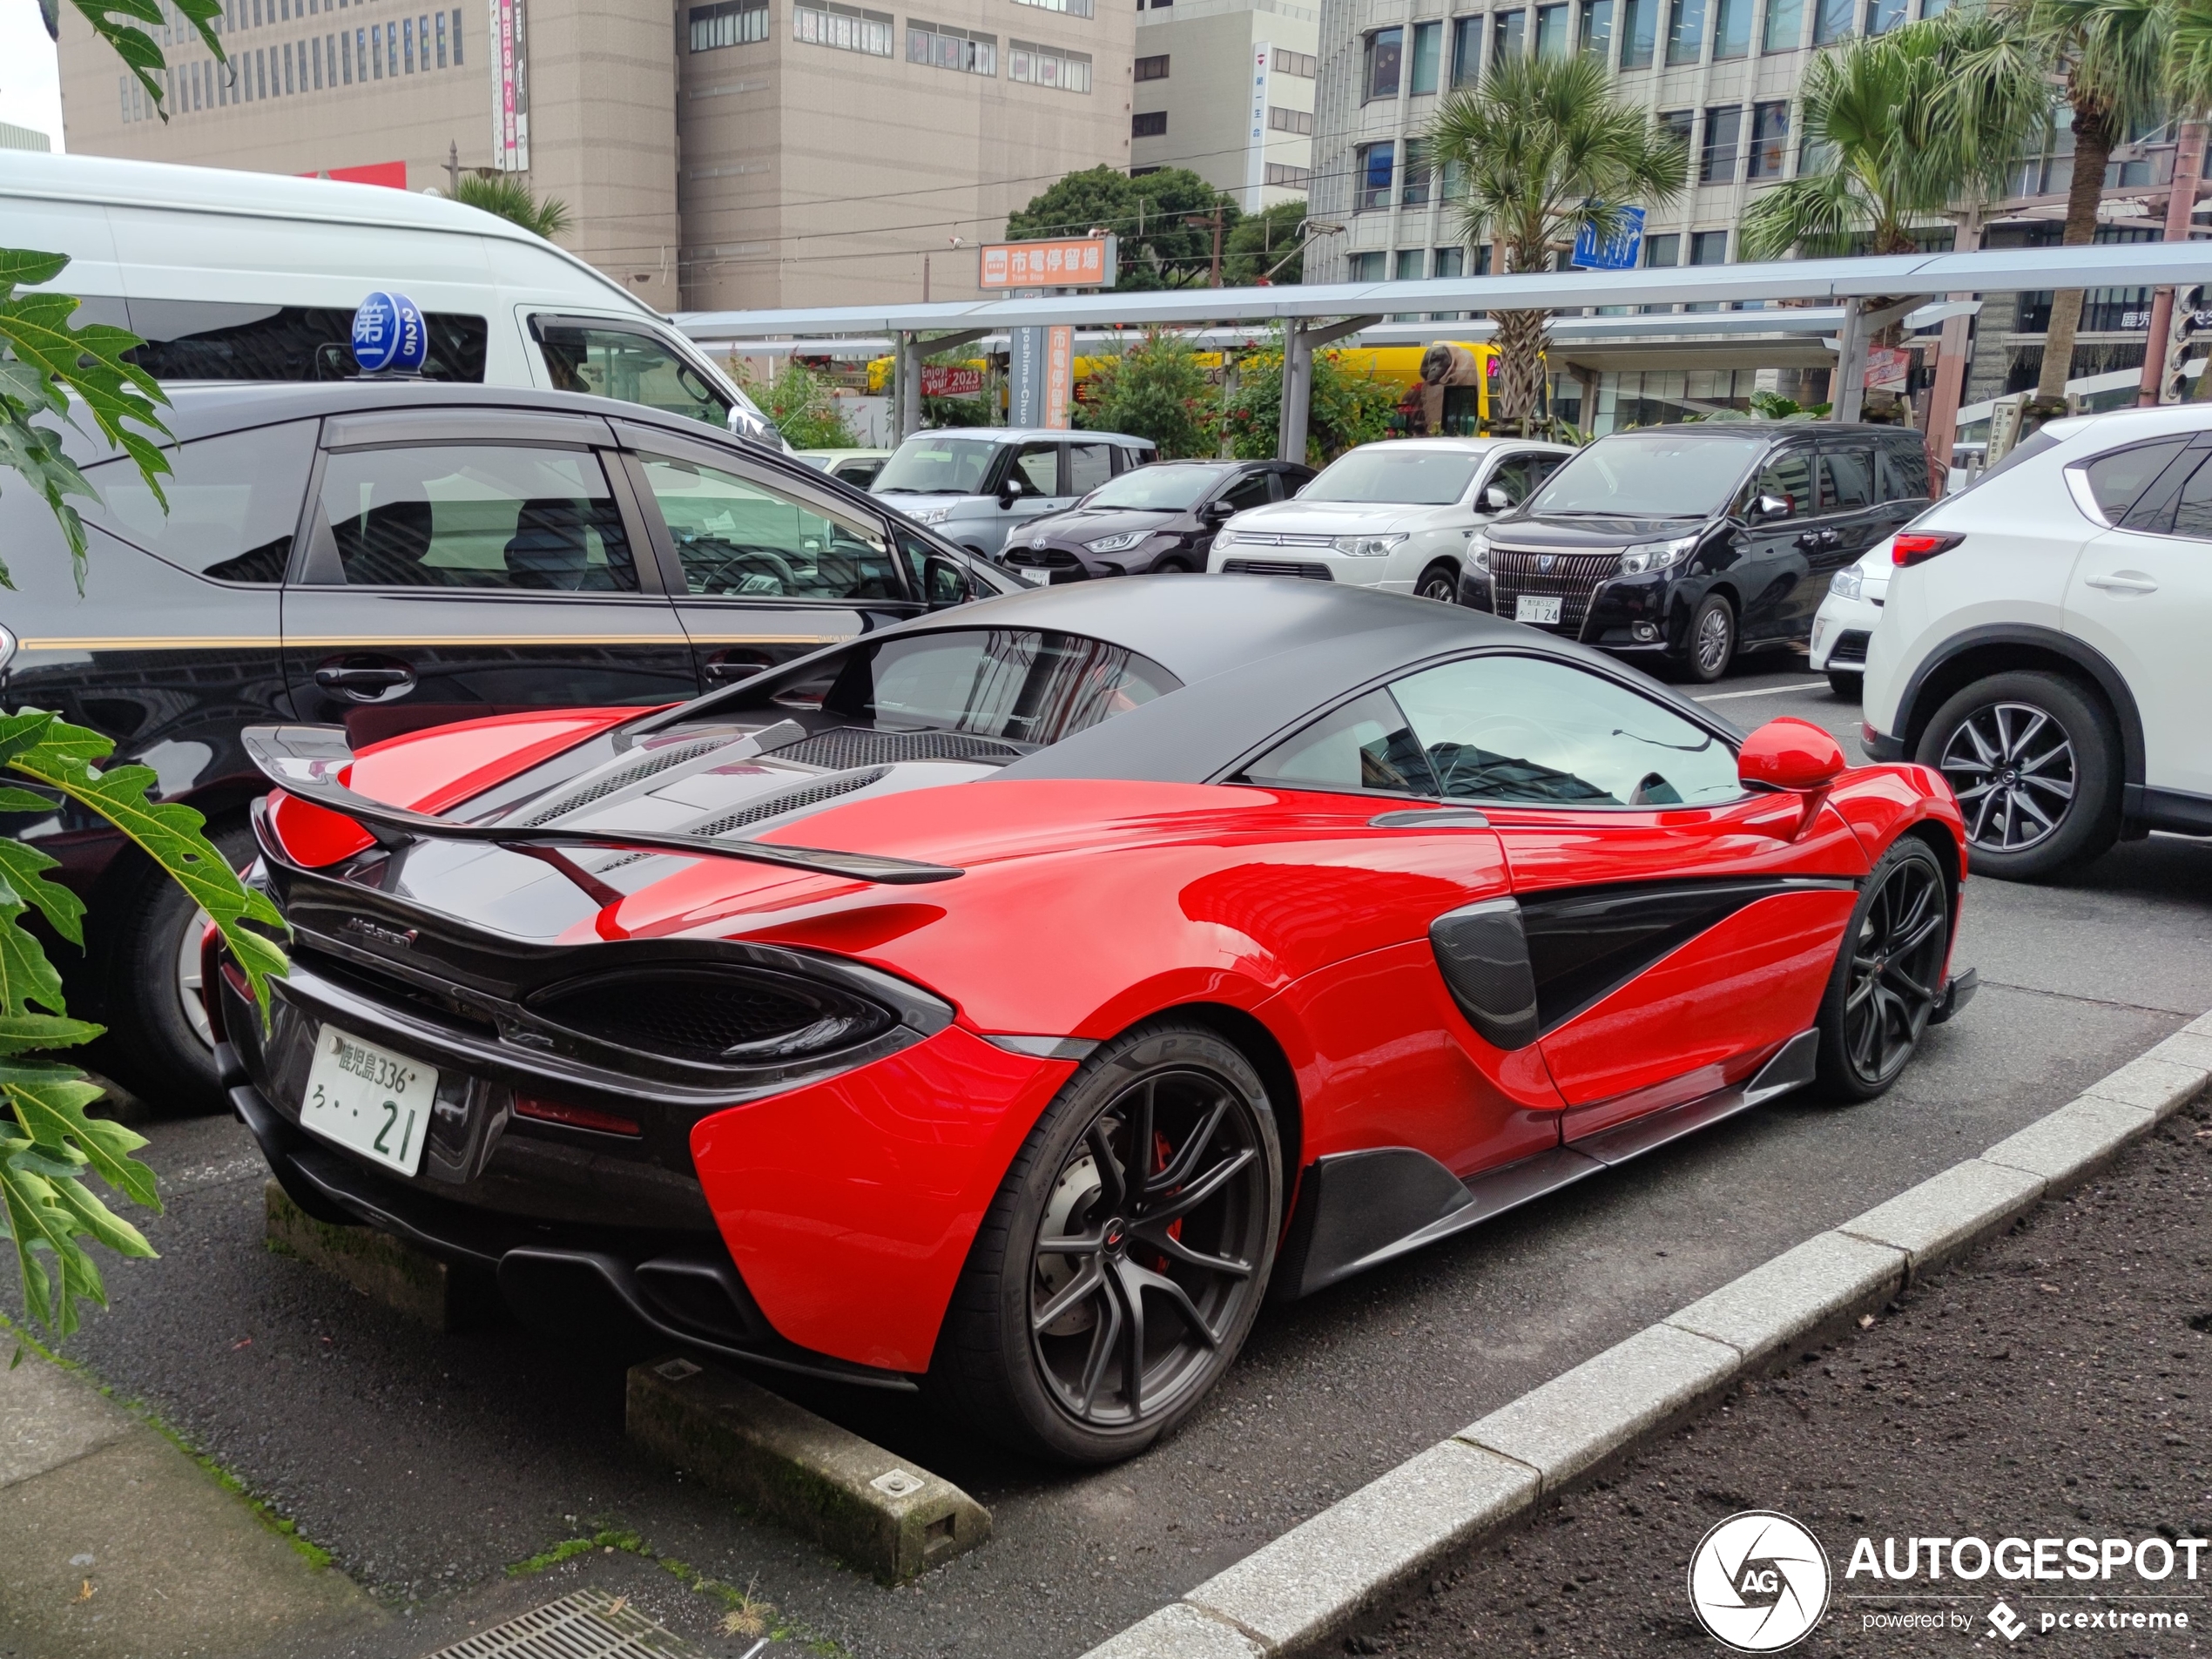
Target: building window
442, 38
1679, 123
1375, 166
1509, 36
392, 49
1073, 8
1769, 139
1417, 174
1596, 35
1723, 134
1384, 48
1046, 66
1282, 121
1289, 178
261, 56
1410, 263
1149, 124
824, 23
1708, 247
1364, 267
1785, 26
1639, 33
1731, 28
1466, 50
1882, 16
733, 23
407, 41
457, 36
1450, 262
1152, 69
1553, 22
314, 56
1685, 31
1663, 252
346, 59
1428, 57
949, 48
1830, 21
1302, 64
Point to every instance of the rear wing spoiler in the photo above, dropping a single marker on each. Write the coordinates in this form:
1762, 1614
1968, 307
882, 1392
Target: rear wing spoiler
305, 761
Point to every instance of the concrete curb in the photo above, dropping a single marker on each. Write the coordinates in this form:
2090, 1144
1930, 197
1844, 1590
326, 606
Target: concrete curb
411, 1283
1297, 1594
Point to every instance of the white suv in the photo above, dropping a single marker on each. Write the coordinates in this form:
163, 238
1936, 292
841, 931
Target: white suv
2047, 641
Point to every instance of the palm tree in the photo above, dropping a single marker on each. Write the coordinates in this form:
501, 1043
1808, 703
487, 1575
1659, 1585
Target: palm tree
2112, 58
1536, 152
509, 197
1907, 126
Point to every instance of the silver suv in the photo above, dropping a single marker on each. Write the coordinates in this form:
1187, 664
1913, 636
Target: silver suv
973, 485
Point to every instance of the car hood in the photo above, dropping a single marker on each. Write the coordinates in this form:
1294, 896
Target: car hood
1091, 523
1349, 518
1587, 534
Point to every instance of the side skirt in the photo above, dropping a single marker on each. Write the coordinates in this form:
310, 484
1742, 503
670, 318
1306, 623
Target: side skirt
1360, 1209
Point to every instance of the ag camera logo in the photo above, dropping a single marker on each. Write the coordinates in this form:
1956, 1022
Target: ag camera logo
1758, 1581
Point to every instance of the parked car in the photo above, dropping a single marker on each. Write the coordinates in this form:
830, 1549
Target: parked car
947, 1004
1395, 515
1159, 519
1846, 618
388, 557
2043, 640
977, 485
856, 467
1682, 545
255, 276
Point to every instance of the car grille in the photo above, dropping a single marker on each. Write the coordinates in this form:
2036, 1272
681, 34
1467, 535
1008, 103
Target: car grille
1279, 567
710, 1016
660, 761
1043, 558
1851, 647
791, 800
1572, 576
848, 746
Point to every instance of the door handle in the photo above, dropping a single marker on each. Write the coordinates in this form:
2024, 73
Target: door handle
366, 682
727, 667
2121, 582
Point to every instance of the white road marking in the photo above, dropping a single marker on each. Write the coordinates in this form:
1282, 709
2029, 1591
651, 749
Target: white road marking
1764, 690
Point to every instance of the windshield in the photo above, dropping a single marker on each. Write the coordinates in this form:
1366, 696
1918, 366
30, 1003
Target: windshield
1388, 472
926, 464
1160, 490
1649, 475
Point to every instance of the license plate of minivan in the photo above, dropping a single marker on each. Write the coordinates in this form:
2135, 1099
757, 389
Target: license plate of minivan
1532, 607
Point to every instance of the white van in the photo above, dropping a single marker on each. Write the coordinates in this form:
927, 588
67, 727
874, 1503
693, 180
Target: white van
255, 276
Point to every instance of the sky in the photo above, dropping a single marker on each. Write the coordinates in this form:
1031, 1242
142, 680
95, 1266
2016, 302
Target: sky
30, 90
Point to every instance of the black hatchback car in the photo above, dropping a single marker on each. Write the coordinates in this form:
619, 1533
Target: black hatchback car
387, 556
1156, 519
1685, 545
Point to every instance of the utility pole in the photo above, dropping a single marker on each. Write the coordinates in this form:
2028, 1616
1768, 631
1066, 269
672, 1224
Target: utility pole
2180, 205
1213, 221
925, 279
453, 168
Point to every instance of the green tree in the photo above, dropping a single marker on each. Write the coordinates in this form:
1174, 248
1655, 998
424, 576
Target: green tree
1903, 127
511, 199
1538, 151
1148, 214
799, 404
55, 374
1155, 389
1265, 243
1346, 410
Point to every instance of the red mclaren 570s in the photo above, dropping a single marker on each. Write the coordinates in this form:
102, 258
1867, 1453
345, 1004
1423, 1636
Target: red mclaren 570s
1007, 1001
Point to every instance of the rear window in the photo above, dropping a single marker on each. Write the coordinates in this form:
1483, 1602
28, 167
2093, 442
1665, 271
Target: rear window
1020, 686
233, 502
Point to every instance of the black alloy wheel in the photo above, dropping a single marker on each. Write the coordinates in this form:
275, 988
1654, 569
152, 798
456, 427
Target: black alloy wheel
1440, 582
1888, 977
1852, 688
2034, 764
1711, 644
1121, 1268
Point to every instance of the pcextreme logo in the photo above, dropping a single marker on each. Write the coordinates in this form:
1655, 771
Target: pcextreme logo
1758, 1581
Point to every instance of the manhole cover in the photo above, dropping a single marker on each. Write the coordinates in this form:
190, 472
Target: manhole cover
589, 1625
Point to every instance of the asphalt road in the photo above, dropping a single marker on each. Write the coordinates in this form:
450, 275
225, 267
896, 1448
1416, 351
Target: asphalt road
427, 1465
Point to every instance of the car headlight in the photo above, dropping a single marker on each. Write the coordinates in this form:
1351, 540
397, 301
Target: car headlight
1847, 583
1226, 538
1117, 543
1365, 547
930, 514
1655, 556
1479, 553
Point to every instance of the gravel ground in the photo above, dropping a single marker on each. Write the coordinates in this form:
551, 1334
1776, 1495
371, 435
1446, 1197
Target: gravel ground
2054, 1384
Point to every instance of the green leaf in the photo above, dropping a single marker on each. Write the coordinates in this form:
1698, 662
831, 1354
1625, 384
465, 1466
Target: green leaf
21, 268
49, 1102
26, 975
101, 1222
24, 1033
22, 871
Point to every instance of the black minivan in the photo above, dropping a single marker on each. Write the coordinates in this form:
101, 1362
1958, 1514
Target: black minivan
386, 557
1683, 545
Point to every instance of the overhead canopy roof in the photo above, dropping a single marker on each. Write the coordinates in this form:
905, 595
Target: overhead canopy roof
2104, 264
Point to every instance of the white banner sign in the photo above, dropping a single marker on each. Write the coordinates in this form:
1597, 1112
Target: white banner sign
1256, 155
510, 114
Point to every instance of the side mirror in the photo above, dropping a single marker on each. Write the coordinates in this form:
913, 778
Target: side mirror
1789, 754
945, 582
1218, 512
1011, 490
1497, 499
1770, 506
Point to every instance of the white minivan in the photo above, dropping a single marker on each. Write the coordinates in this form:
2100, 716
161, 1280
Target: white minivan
231, 275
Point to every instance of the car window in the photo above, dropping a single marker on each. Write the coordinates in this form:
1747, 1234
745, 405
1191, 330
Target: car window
1039, 467
1901, 471
233, 502
1250, 490
1365, 744
2193, 510
1088, 466
741, 538
1020, 685
1524, 729
630, 365
1664, 472
476, 516
927, 464
1788, 475
2118, 479
1515, 475
1846, 480
859, 473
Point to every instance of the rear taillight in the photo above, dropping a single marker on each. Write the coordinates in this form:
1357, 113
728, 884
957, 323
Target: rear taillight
1913, 547
211, 978
560, 1111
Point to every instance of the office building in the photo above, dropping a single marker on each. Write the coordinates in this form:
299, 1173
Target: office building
1225, 88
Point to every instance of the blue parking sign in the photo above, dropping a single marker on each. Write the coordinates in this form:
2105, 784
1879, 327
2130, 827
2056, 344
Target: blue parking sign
388, 335
1616, 254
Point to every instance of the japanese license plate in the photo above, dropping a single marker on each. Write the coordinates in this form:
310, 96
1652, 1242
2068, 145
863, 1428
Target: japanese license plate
369, 1099
1033, 575
1532, 607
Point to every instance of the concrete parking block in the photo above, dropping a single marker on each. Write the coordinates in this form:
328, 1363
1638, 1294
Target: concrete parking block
1315, 1580
1947, 1213
1829, 1278
2072, 1141
1178, 1631
408, 1281
2187, 1047
886, 1517
1580, 1418
2156, 1085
